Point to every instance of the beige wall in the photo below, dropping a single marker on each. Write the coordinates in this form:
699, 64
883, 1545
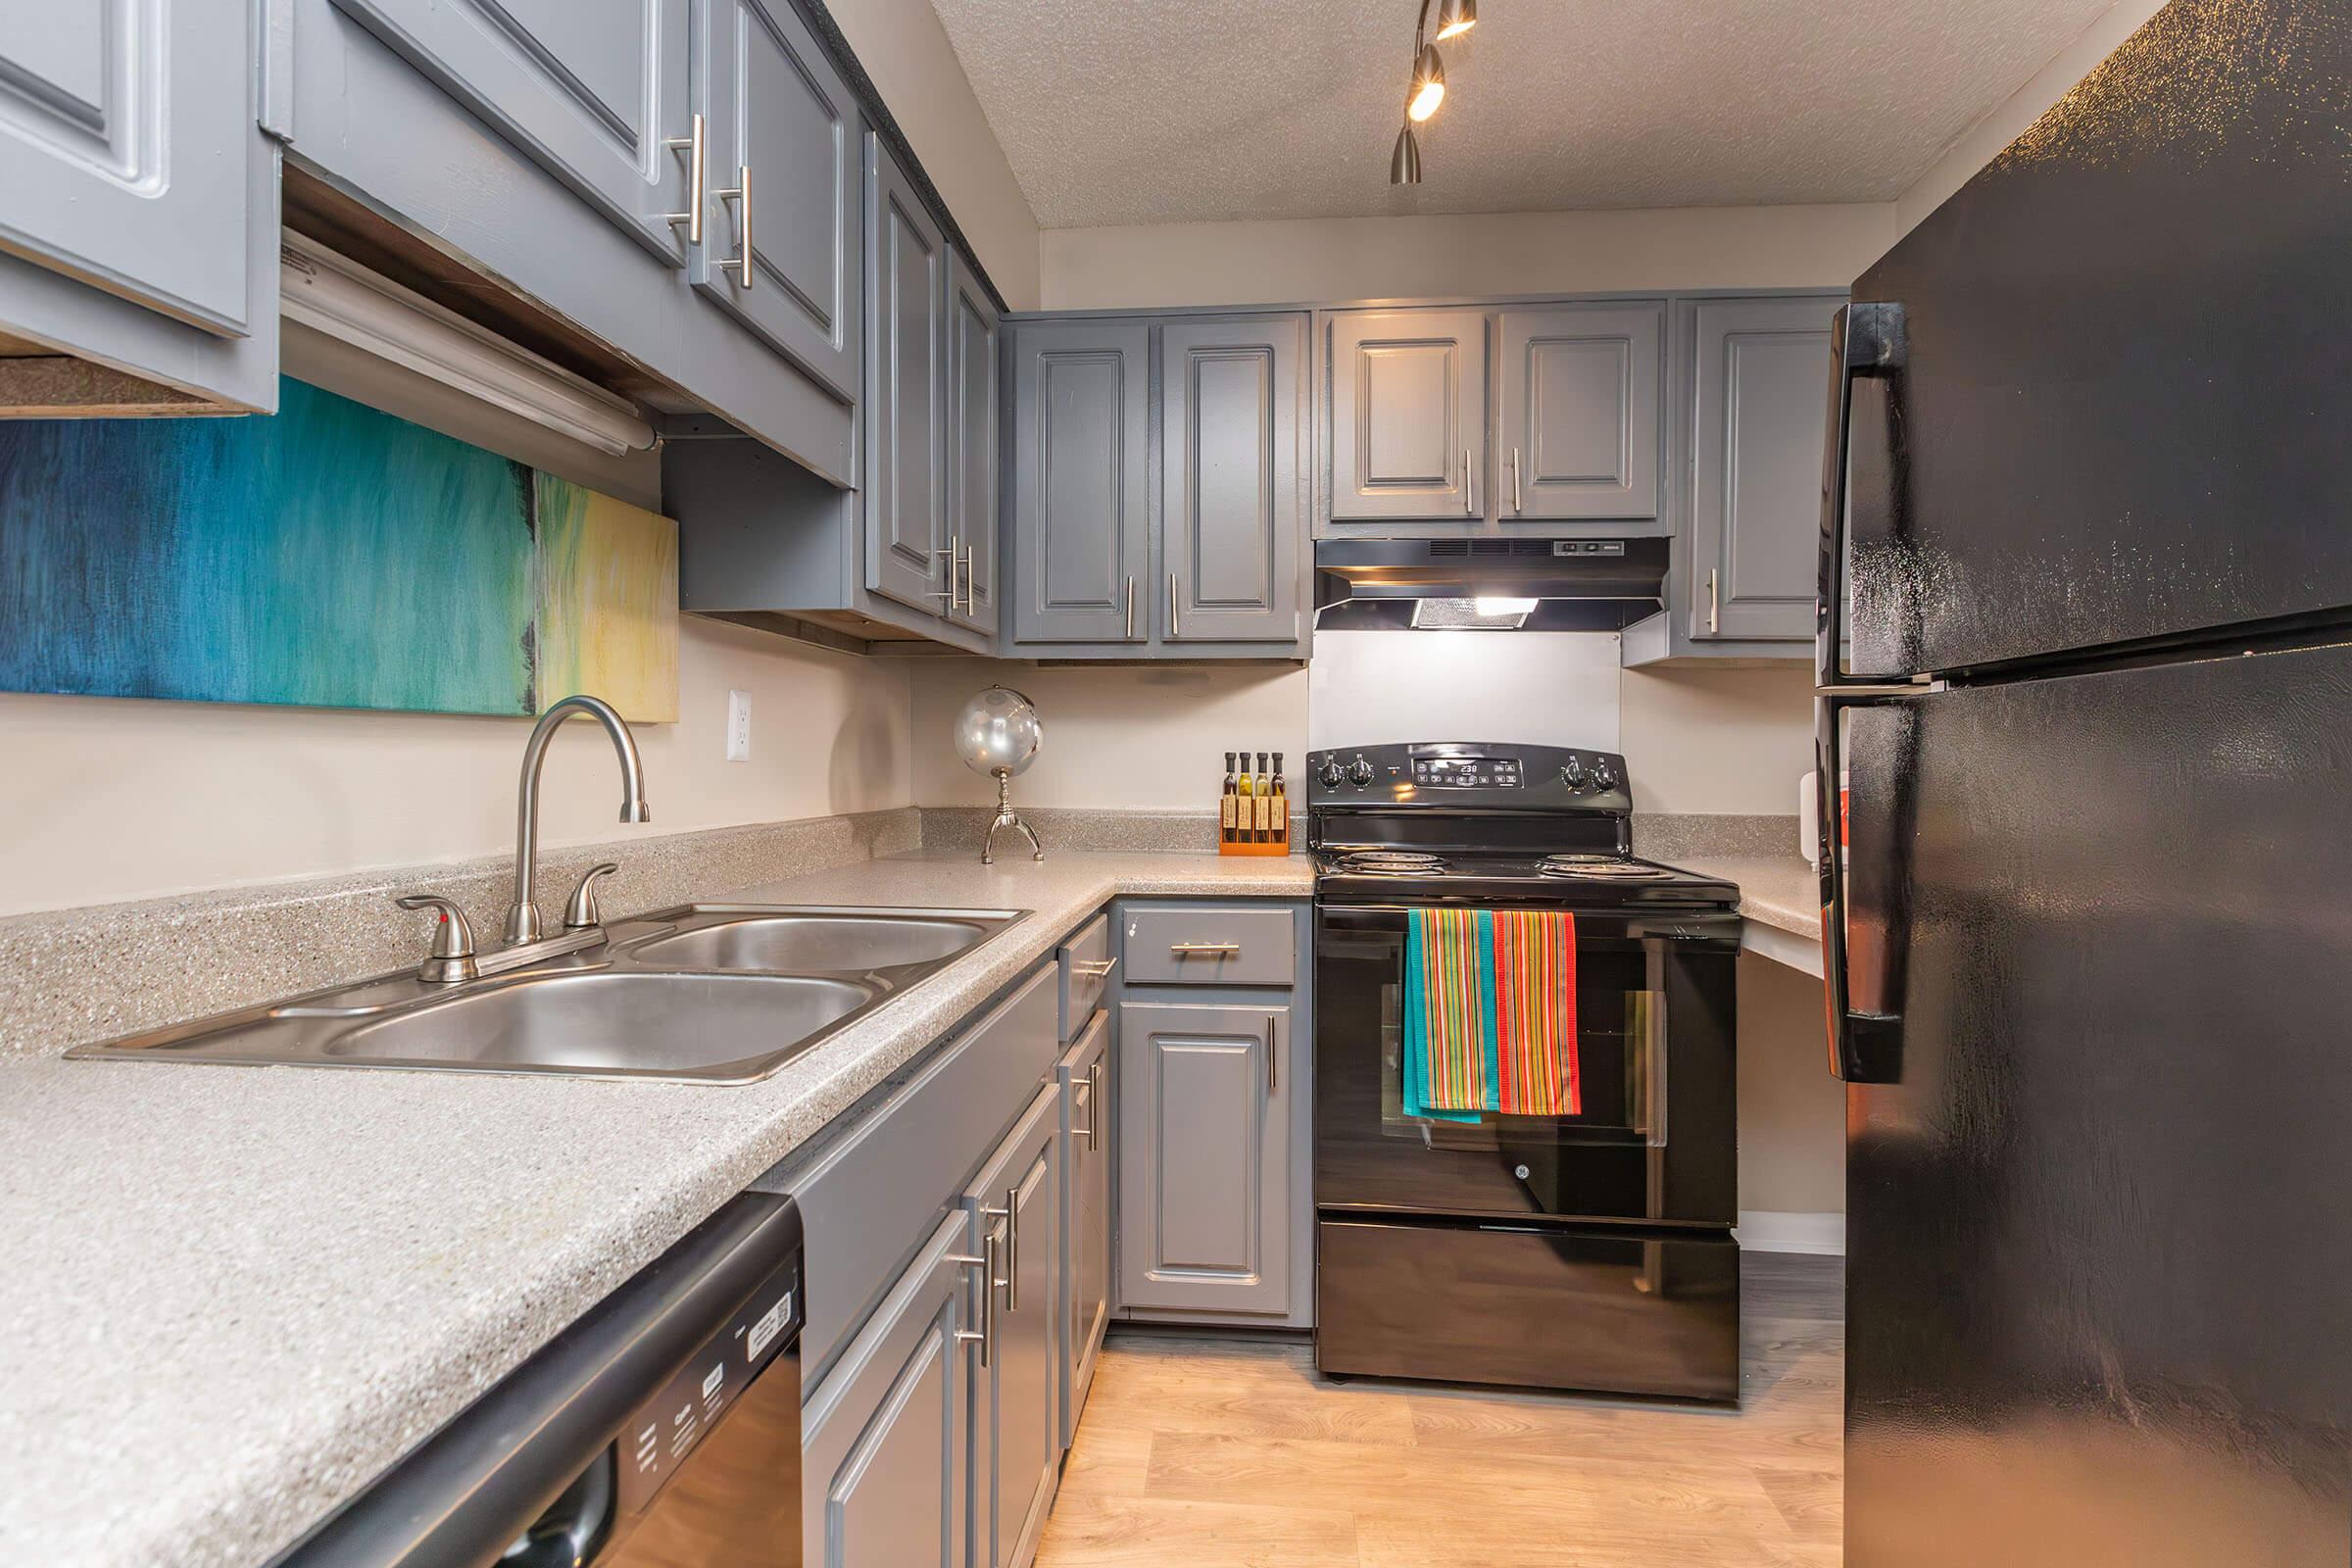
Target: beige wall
1717, 741
1976, 146
906, 52
1792, 1111
1329, 258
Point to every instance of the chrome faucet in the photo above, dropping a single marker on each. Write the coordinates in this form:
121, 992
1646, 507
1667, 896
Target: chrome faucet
522, 917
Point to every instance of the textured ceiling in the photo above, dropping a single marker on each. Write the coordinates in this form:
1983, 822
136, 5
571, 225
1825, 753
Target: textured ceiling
1153, 111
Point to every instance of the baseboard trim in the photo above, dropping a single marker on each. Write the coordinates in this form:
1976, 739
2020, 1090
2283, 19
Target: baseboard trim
1764, 1230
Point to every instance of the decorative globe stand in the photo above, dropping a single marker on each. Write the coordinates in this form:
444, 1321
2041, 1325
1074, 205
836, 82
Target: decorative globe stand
1006, 817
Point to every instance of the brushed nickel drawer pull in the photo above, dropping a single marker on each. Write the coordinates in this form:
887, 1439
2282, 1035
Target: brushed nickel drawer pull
1094, 968
1205, 949
1273, 1052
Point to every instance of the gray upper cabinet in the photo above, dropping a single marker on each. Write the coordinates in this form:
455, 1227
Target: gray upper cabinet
884, 1466
905, 390
1205, 1157
1759, 420
141, 210
973, 444
1080, 538
1016, 1208
1234, 424
1408, 415
592, 90
781, 162
1581, 412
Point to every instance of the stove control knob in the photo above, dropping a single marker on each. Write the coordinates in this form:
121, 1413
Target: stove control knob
1604, 777
1359, 773
1329, 775
1572, 774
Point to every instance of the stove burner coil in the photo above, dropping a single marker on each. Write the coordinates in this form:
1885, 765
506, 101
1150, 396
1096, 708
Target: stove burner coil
1390, 862
1597, 868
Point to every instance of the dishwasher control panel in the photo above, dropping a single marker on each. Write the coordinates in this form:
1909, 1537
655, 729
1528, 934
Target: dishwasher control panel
663, 1430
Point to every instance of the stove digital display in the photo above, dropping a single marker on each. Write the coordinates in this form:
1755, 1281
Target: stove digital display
1467, 772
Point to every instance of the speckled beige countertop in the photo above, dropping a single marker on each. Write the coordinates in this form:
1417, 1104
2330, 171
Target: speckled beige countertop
231, 1295
1775, 890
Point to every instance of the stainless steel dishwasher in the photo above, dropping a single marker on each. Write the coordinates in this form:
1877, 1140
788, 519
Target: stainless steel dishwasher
662, 1430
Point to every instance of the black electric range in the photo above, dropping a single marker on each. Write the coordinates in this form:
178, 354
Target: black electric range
1588, 1247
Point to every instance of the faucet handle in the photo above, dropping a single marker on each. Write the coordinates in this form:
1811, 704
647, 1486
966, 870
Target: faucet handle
580, 912
452, 956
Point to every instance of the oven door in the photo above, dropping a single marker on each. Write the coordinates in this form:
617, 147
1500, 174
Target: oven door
1656, 1139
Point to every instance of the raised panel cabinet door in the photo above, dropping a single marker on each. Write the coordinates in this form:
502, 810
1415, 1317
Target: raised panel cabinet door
886, 1456
594, 91
973, 444
1408, 415
1759, 420
1014, 1206
126, 137
1233, 430
1086, 1095
1582, 406
1205, 1157
782, 136
905, 390
1081, 528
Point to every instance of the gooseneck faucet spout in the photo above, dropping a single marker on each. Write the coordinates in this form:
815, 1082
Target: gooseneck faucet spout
522, 918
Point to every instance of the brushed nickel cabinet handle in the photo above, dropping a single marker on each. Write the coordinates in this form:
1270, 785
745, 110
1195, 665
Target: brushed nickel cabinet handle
1469, 492
986, 1263
971, 602
1093, 1109
1203, 950
1518, 502
740, 193
691, 145
1131, 609
1096, 969
1012, 1248
1714, 600
950, 594
1273, 1052
1175, 628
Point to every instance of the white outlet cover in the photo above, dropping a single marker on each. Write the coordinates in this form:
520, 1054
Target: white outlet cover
739, 726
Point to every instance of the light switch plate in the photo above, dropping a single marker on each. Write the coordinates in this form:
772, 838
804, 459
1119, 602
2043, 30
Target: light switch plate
739, 726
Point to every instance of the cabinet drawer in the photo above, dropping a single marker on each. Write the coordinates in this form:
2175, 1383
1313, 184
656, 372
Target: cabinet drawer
1208, 945
868, 1201
1086, 968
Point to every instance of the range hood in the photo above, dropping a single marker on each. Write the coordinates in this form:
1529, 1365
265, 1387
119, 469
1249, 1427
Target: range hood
1487, 584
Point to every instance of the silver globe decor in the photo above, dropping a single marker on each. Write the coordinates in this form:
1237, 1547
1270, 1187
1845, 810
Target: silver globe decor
998, 733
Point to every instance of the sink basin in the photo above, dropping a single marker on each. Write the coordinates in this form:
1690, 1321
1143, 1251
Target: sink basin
616, 1021
799, 943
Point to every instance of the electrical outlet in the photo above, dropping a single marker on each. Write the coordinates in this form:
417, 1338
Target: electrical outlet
739, 726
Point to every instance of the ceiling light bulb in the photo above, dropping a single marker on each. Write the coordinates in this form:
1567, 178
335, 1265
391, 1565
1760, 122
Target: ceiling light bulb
1456, 16
1429, 86
1405, 164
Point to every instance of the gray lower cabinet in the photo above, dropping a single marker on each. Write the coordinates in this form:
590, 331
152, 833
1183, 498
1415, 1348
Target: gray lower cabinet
143, 212
885, 1463
1204, 1151
1581, 409
1086, 1102
781, 188
1408, 415
973, 444
905, 500
1232, 460
1014, 1212
1079, 538
590, 89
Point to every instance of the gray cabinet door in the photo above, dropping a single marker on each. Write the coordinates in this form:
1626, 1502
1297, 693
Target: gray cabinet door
1205, 1157
1014, 1205
1759, 421
885, 1464
1408, 413
1233, 432
973, 444
130, 141
1581, 411
1081, 532
905, 390
591, 90
1085, 1078
782, 133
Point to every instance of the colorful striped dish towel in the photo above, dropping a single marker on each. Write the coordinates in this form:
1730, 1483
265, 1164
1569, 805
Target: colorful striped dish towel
1450, 1014
1535, 1014
1490, 1014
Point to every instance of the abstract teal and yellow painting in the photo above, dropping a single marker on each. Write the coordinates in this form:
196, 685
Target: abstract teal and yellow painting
330, 555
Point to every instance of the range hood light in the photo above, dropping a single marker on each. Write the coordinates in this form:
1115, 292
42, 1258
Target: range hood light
1497, 605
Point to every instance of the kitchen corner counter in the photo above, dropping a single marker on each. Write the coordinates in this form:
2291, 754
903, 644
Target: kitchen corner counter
1781, 894
233, 1296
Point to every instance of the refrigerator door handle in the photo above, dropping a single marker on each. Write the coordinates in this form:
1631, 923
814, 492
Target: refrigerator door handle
1864, 1047
1864, 340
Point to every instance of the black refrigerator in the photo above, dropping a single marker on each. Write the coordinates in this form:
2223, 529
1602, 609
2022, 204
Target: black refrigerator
2087, 670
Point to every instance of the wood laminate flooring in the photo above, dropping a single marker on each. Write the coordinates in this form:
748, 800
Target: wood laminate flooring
1200, 1452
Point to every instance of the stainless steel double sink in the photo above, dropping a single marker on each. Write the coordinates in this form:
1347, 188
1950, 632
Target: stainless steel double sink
706, 992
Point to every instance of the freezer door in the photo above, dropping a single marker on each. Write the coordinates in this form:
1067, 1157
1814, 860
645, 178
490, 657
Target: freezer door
2124, 393
2099, 1231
